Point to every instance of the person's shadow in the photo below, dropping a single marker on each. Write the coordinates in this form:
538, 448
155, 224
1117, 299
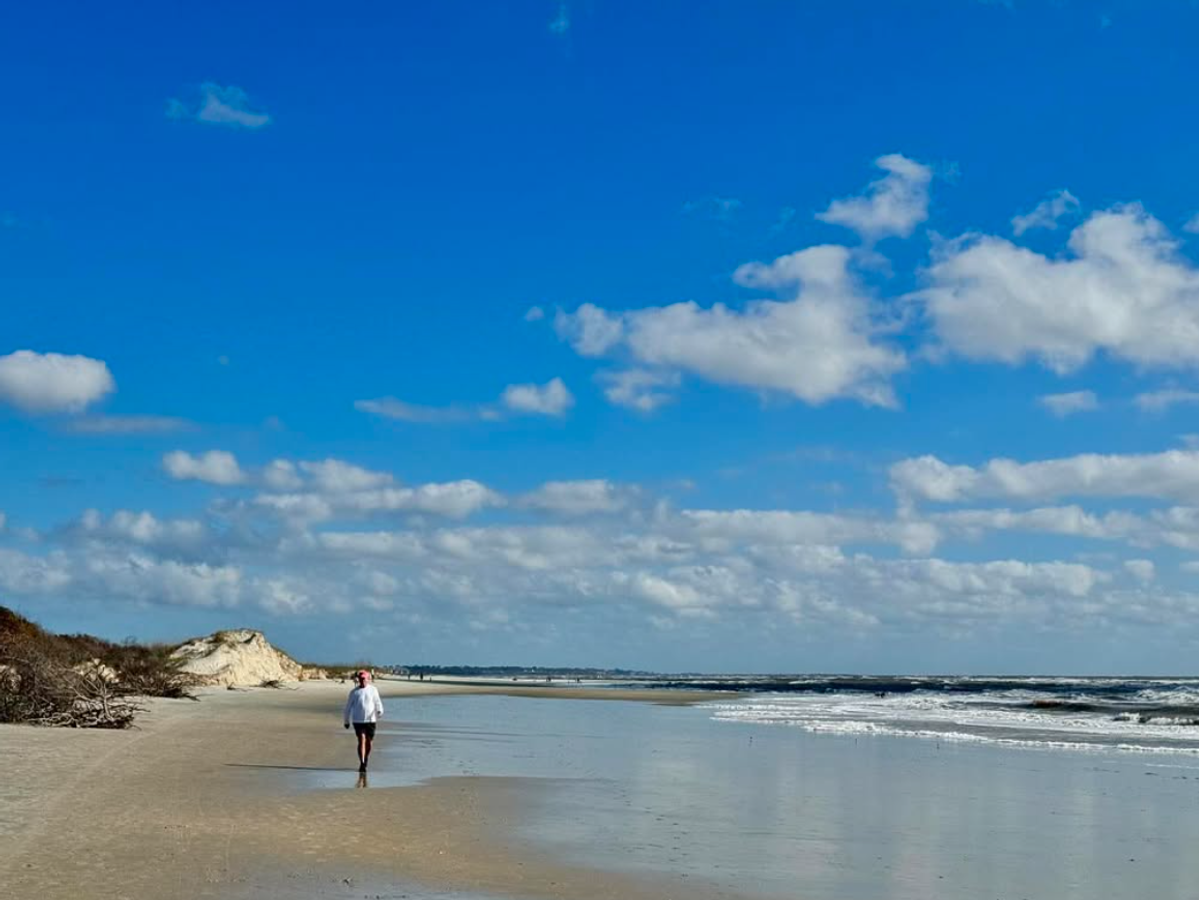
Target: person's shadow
361, 780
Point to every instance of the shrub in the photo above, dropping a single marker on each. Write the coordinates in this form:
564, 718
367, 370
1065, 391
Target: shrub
78, 680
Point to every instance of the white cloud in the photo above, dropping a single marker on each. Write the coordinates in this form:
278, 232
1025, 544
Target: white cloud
1062, 405
1175, 526
52, 382
1141, 569
893, 205
1172, 475
730, 566
1124, 290
453, 499
296, 508
591, 331
998, 579
391, 408
1191, 226
534, 314
23, 574
816, 347
143, 529
127, 425
549, 399
673, 595
219, 105
281, 475
640, 389
1047, 213
769, 527
578, 497
394, 545
1064, 520
1159, 401
137, 576
282, 597
214, 467
335, 476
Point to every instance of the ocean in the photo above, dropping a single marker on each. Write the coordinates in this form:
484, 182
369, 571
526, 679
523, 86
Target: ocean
1131, 714
833, 788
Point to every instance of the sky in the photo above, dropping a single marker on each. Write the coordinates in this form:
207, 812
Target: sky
684, 336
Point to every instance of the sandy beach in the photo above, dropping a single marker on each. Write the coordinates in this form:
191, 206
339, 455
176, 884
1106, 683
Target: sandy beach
186, 805
479, 792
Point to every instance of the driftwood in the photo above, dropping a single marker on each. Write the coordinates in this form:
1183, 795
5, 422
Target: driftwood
37, 688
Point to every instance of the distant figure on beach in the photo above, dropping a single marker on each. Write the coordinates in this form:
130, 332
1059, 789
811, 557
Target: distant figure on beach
363, 709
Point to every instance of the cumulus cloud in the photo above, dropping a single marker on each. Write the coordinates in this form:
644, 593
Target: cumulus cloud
591, 331
214, 467
336, 476
1171, 475
456, 499
1064, 520
1047, 213
52, 382
139, 576
891, 206
1123, 290
549, 399
23, 574
284, 597
1062, 405
789, 527
578, 497
217, 104
1174, 526
641, 389
817, 346
622, 559
141, 527
453, 499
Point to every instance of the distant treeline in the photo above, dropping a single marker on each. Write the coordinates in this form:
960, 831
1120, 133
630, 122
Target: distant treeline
518, 671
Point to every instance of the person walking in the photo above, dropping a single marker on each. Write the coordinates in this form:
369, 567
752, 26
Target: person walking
363, 709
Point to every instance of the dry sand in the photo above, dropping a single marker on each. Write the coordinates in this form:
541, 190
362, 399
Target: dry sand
188, 805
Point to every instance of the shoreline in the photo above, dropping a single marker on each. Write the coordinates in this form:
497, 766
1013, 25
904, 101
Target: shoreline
179, 806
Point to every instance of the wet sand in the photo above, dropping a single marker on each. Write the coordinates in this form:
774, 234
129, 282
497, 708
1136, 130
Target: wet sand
190, 805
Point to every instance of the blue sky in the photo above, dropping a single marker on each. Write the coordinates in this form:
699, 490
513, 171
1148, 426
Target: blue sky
774, 336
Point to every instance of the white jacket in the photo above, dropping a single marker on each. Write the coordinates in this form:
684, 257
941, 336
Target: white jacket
363, 705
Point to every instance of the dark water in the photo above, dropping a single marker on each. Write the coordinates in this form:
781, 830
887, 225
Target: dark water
1126, 713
